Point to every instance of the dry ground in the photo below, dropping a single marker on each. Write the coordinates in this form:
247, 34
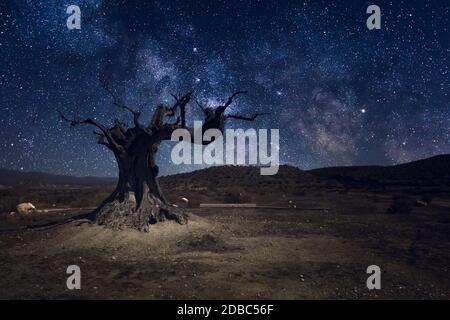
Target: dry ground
241, 253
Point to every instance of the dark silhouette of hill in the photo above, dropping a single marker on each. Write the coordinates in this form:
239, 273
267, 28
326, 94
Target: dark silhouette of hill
434, 170
243, 176
14, 178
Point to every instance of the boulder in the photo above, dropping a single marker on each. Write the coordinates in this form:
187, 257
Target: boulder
185, 200
25, 208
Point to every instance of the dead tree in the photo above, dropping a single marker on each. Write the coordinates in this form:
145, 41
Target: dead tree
137, 201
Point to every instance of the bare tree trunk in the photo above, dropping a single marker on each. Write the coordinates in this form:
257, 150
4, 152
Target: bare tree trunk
137, 202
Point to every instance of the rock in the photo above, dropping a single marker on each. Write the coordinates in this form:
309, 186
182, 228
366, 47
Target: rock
25, 208
420, 203
185, 200
292, 204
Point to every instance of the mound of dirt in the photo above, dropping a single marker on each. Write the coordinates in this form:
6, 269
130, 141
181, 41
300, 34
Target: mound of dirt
129, 243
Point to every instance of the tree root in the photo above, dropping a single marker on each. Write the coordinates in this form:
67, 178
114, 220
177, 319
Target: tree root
84, 217
118, 214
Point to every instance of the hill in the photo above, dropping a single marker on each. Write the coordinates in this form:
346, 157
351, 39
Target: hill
433, 171
16, 178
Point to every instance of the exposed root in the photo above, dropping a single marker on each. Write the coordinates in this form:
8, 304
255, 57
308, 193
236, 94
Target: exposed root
81, 218
118, 214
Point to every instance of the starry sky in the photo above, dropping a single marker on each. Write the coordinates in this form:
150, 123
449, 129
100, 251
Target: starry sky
339, 93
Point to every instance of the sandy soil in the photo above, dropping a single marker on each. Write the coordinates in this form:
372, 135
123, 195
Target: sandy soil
239, 253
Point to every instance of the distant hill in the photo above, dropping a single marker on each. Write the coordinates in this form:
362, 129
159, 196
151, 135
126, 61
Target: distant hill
237, 176
236, 184
14, 178
434, 170
244, 175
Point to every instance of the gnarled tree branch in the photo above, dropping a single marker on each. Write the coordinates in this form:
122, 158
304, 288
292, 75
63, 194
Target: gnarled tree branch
200, 105
221, 109
136, 114
106, 132
162, 111
246, 118
214, 119
101, 140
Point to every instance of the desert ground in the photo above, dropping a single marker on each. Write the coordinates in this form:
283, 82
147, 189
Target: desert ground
316, 242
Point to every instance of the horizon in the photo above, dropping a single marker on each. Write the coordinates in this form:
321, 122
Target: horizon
231, 165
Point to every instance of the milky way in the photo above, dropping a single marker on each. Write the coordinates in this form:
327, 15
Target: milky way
339, 93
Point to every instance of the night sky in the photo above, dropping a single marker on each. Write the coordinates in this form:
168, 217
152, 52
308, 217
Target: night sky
339, 93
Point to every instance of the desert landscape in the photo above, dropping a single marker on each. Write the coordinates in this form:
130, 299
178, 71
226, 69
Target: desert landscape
311, 235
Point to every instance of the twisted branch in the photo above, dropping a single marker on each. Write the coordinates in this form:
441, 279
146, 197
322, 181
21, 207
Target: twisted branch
136, 114
246, 118
105, 131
